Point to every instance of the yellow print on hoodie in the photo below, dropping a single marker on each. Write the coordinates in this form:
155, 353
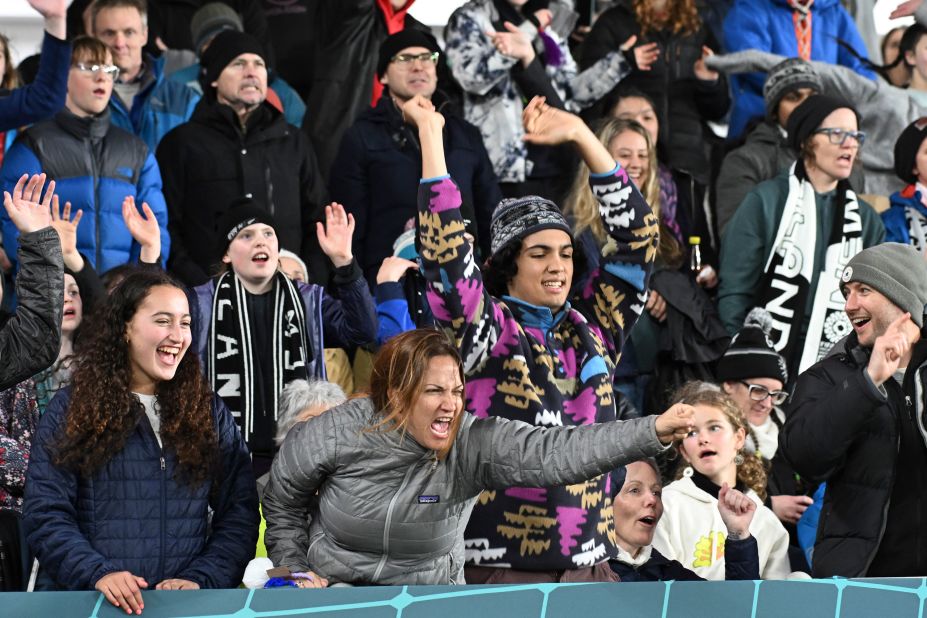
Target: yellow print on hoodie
703, 554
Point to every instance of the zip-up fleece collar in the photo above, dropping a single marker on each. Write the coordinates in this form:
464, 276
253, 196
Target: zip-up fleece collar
92, 127
534, 316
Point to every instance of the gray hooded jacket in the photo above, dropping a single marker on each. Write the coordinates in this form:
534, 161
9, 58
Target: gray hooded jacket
389, 513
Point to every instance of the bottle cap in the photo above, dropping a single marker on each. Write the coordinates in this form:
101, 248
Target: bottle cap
695, 240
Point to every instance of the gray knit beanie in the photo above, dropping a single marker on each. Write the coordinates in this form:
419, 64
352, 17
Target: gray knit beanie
788, 75
210, 20
897, 271
515, 218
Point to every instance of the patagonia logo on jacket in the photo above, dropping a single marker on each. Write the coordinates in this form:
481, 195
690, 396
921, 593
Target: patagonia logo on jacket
429, 499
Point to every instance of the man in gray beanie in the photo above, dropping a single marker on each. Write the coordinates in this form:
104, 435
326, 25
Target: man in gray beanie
857, 423
765, 151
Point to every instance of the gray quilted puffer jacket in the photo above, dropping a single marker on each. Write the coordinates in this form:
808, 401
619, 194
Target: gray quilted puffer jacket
389, 513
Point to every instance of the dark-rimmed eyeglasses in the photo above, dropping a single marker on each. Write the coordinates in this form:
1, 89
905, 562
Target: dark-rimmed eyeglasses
759, 393
406, 60
109, 70
838, 137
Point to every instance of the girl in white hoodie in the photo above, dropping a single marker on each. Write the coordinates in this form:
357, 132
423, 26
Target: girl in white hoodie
691, 530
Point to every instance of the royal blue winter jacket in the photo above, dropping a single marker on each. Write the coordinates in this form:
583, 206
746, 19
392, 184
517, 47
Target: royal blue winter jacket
95, 166
132, 514
44, 96
160, 105
767, 25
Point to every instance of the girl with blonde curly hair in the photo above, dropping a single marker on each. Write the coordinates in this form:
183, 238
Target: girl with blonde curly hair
691, 530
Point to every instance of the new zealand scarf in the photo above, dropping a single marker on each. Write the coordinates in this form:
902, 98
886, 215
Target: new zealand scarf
231, 359
790, 266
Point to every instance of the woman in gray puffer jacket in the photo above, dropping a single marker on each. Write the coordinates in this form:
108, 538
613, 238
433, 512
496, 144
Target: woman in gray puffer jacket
398, 473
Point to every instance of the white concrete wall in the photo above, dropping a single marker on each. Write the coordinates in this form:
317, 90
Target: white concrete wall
23, 26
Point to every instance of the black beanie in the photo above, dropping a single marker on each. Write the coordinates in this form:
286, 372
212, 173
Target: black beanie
751, 353
241, 213
807, 117
403, 39
228, 45
906, 147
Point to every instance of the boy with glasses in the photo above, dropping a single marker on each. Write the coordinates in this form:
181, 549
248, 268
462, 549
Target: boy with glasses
96, 164
754, 375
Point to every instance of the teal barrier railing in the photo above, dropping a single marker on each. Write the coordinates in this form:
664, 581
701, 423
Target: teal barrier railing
838, 598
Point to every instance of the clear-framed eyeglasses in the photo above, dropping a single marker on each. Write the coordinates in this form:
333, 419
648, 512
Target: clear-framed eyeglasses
406, 60
838, 137
759, 393
109, 70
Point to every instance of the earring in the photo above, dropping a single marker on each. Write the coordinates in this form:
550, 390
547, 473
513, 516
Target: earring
738, 459
688, 471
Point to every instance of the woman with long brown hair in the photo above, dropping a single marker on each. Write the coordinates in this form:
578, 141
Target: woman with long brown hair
631, 145
398, 473
129, 461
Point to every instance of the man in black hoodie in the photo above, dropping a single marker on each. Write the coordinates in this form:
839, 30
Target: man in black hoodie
857, 422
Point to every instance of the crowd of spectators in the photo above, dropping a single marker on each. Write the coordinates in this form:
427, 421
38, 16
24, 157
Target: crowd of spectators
628, 291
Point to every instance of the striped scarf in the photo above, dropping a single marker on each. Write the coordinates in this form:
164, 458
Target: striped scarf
231, 360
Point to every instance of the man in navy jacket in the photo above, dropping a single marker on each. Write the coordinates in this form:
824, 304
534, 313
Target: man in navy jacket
376, 172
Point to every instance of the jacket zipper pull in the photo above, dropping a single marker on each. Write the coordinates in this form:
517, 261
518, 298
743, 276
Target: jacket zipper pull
163, 466
434, 463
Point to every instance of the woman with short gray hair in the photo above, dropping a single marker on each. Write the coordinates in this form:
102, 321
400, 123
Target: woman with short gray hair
301, 400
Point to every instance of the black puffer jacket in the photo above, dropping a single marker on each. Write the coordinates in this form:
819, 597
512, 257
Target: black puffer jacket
683, 102
870, 449
209, 162
29, 341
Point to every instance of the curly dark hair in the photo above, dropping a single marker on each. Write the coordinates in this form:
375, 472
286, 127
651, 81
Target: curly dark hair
501, 268
103, 412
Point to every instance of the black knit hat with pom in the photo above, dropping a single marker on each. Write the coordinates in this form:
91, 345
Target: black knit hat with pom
751, 353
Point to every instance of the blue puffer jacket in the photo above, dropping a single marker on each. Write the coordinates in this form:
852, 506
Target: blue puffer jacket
95, 165
767, 25
160, 105
132, 515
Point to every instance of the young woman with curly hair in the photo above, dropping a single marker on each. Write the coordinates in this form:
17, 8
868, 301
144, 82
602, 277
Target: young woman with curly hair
692, 530
129, 461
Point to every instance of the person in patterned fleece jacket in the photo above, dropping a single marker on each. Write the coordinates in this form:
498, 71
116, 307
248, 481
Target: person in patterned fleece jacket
534, 350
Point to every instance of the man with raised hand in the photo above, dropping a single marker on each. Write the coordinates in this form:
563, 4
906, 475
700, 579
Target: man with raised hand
857, 422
